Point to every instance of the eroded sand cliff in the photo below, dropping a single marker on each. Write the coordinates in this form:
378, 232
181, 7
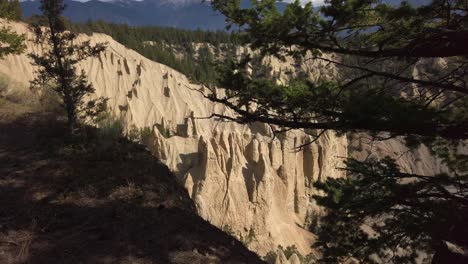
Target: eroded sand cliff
240, 177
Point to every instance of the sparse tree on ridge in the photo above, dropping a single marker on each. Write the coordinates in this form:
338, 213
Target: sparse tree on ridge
57, 66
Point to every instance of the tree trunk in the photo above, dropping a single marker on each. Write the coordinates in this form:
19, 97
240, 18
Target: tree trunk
71, 113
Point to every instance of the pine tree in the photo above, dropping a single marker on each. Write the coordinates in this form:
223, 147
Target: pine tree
57, 66
16, 10
375, 46
10, 42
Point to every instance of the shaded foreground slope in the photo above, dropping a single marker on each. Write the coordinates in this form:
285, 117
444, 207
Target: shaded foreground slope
96, 203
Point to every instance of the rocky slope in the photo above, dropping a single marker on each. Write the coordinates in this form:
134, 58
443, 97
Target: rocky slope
239, 177
418, 161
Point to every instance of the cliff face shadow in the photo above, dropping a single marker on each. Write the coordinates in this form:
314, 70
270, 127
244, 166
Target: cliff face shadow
189, 161
94, 204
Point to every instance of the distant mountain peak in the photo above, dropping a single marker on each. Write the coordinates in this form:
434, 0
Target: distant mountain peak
165, 2
180, 2
187, 14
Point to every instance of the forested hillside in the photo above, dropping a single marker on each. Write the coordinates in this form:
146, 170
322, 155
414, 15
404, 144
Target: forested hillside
170, 46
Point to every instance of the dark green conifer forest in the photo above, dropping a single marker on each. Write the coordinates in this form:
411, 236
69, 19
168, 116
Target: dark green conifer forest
170, 46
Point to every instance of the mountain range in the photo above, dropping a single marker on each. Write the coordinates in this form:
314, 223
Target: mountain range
186, 14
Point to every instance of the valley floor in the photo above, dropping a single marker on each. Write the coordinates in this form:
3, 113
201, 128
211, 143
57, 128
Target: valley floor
98, 202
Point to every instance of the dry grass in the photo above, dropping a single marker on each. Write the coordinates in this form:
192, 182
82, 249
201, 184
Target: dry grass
17, 245
19, 95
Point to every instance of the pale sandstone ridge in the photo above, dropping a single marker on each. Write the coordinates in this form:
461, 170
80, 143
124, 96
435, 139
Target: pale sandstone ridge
239, 176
